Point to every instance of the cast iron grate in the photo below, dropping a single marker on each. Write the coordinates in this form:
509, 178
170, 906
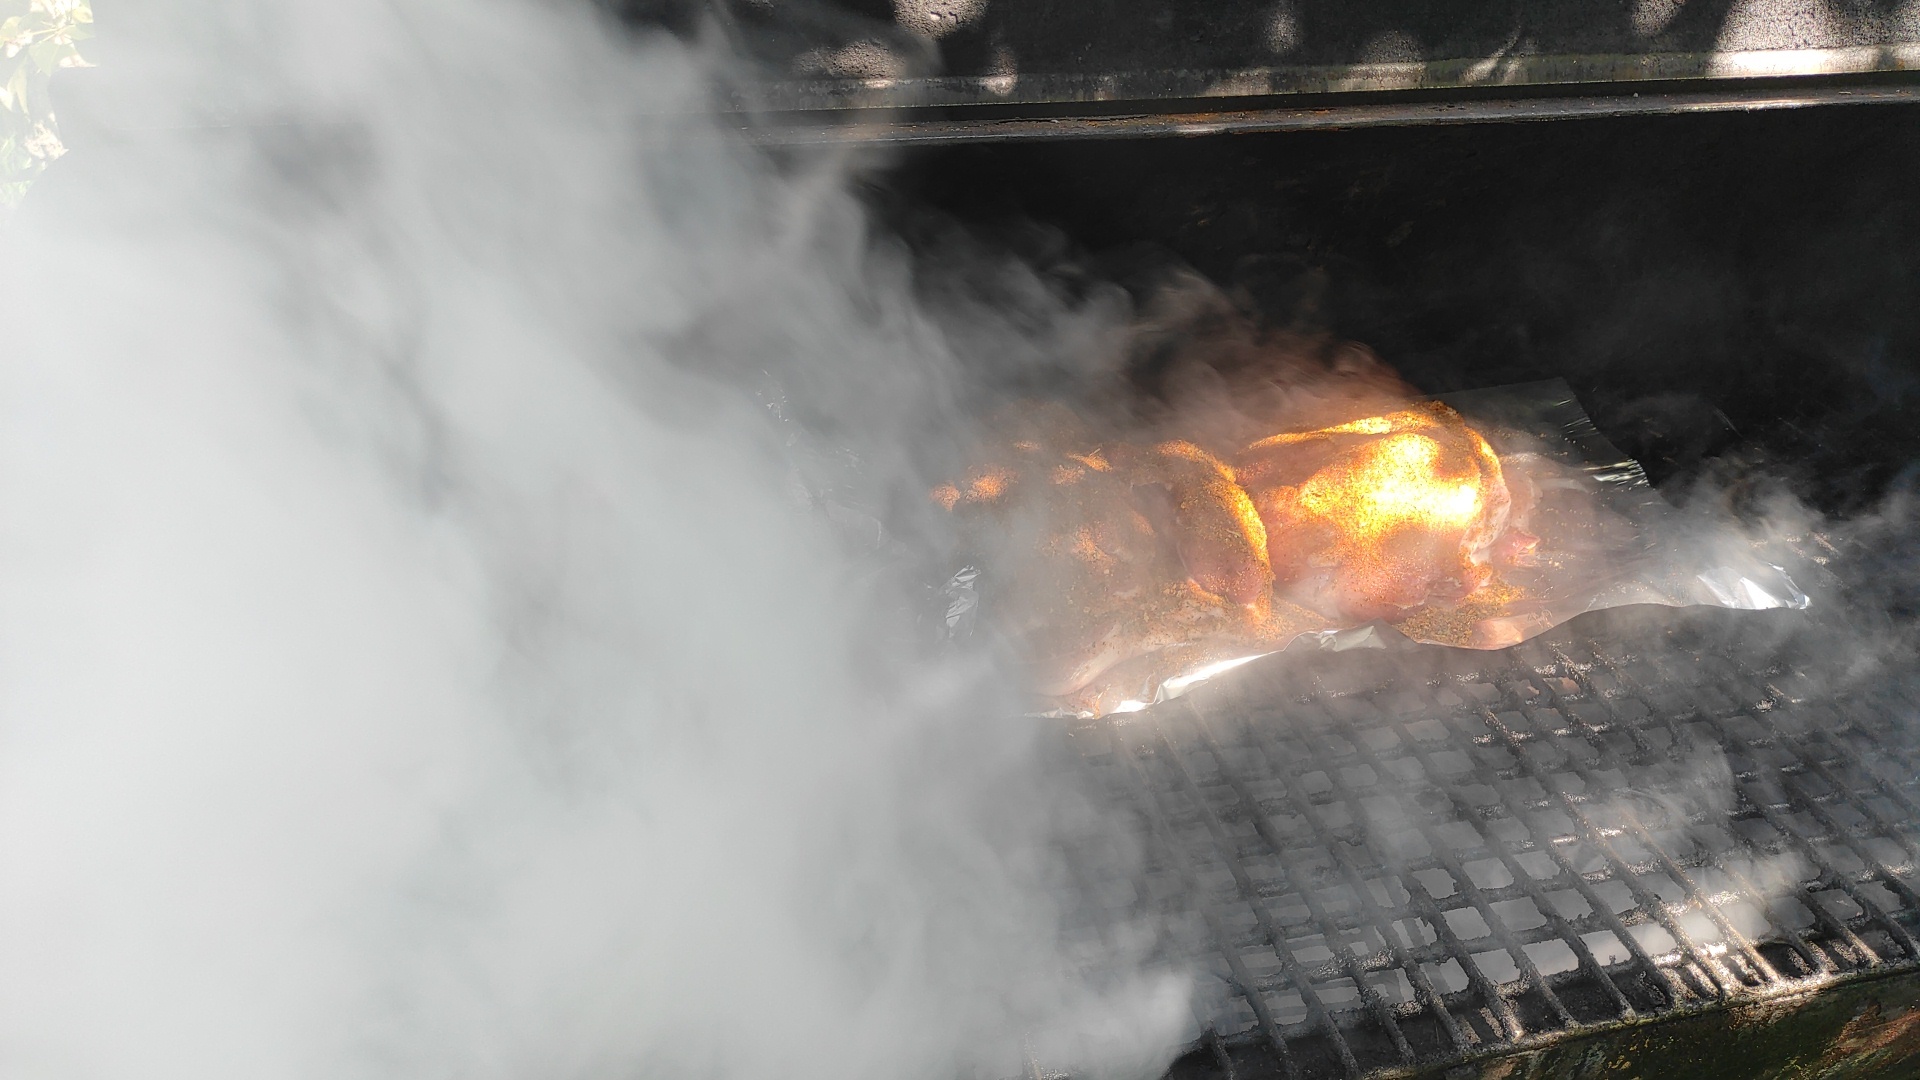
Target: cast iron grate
1403, 859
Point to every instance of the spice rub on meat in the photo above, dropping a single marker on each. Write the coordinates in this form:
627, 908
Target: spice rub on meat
1375, 517
1112, 550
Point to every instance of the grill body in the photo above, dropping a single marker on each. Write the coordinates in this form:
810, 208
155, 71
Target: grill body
1654, 844
1402, 862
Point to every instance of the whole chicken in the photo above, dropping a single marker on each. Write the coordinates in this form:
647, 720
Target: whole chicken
1112, 553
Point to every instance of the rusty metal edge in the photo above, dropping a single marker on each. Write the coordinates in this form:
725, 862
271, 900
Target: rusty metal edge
1358, 114
1501, 69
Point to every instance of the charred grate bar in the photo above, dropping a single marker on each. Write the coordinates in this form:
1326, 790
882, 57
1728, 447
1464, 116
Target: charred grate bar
1399, 860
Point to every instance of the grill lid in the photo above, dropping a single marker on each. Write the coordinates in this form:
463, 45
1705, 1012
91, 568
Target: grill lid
955, 70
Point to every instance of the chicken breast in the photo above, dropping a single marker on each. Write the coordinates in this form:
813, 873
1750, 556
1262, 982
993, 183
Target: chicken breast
1372, 518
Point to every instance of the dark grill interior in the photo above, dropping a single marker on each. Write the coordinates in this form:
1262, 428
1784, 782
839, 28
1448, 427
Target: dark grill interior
1384, 861
1707, 284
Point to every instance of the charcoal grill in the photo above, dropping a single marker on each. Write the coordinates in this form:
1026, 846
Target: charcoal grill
1648, 844
1396, 864
1654, 844
1664, 844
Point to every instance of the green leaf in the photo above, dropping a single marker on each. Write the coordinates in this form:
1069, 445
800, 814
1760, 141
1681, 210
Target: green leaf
46, 55
48, 33
13, 95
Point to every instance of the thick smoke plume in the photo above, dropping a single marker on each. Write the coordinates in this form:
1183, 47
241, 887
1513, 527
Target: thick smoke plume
412, 662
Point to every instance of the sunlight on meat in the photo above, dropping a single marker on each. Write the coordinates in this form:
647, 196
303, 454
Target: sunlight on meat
1395, 484
1120, 558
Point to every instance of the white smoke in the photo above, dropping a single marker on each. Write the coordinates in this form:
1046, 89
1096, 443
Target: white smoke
408, 667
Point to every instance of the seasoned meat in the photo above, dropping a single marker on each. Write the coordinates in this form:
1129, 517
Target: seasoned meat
1374, 517
1112, 550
